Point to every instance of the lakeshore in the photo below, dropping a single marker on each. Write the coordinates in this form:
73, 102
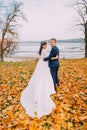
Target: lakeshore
19, 59
26, 51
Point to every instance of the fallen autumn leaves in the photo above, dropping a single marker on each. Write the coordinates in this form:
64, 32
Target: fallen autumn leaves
71, 97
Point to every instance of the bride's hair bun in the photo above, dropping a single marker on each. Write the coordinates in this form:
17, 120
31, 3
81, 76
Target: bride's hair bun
43, 43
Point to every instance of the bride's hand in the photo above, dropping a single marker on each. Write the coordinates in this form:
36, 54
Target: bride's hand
54, 58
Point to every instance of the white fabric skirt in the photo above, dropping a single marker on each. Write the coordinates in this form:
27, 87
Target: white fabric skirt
35, 98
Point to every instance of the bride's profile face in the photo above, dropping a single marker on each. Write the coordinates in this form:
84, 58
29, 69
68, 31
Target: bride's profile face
44, 46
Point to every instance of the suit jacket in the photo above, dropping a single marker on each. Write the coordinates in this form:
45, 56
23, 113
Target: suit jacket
54, 52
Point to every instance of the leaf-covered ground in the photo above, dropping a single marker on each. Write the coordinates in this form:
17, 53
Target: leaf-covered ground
70, 100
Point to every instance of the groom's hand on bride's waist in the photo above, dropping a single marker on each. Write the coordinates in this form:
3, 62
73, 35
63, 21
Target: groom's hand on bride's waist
52, 53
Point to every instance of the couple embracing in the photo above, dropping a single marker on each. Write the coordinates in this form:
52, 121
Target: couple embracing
35, 98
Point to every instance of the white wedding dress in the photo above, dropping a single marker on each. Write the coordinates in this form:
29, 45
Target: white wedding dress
35, 98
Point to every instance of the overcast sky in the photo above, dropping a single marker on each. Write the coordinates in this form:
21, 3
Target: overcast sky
47, 19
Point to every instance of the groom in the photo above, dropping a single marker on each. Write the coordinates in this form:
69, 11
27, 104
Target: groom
54, 64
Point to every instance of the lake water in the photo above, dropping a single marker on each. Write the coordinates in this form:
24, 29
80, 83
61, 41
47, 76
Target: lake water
67, 50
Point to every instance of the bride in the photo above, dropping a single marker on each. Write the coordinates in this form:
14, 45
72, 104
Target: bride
35, 98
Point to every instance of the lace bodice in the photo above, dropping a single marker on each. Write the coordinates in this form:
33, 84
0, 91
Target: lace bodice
43, 54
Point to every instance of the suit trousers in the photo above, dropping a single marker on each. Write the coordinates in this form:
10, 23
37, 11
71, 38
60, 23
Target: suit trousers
54, 73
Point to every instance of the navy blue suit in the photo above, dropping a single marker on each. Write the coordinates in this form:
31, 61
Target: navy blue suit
54, 64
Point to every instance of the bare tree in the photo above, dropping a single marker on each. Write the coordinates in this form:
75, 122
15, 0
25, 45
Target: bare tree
8, 30
81, 8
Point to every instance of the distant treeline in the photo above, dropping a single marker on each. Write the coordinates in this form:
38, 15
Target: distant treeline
59, 41
71, 41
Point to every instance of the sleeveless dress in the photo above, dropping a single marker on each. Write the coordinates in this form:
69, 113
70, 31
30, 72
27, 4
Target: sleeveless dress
35, 98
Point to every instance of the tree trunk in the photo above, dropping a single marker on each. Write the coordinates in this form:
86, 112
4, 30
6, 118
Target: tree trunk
1, 53
86, 40
1, 58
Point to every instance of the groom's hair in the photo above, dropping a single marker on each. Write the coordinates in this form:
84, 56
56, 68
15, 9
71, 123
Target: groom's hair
53, 39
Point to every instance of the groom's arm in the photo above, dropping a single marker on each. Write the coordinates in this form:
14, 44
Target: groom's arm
50, 56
